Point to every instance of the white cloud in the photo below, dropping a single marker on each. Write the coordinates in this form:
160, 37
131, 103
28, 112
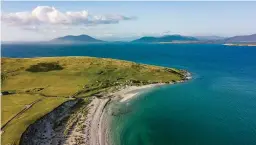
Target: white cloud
45, 15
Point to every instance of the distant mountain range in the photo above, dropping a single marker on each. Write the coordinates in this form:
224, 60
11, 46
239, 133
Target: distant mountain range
243, 39
166, 38
209, 38
163, 39
76, 39
198, 39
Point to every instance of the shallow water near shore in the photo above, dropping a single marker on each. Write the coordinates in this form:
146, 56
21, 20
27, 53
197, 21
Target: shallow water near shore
216, 107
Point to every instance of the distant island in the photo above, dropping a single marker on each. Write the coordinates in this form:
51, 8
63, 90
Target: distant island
166, 38
246, 40
242, 39
76, 39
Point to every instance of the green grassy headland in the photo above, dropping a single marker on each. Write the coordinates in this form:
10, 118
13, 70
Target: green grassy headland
32, 87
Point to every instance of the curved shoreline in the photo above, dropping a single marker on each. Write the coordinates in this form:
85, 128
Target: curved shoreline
97, 123
93, 129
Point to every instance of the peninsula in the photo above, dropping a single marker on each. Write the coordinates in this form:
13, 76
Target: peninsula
61, 100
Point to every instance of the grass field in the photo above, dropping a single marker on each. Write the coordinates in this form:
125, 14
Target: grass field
55, 80
13, 131
13, 104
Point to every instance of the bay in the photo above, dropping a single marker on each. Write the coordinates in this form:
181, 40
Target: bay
216, 107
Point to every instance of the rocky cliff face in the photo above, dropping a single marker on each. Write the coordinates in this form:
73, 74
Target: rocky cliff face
42, 131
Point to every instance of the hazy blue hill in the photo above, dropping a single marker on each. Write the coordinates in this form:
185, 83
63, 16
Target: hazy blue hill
146, 39
198, 39
76, 39
167, 38
245, 38
205, 38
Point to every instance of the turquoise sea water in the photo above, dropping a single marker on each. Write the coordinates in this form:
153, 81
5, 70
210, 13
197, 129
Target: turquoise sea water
217, 107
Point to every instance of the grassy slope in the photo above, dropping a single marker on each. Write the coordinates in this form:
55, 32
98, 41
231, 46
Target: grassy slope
14, 104
14, 130
80, 77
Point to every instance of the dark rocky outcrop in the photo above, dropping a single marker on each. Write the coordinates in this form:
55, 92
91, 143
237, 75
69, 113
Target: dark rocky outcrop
42, 131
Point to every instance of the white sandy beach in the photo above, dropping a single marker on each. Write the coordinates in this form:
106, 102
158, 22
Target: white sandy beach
96, 121
96, 130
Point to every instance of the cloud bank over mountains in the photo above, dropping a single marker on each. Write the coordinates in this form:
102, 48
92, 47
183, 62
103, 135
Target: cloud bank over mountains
46, 15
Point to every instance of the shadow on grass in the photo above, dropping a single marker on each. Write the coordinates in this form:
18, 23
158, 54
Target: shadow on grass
44, 67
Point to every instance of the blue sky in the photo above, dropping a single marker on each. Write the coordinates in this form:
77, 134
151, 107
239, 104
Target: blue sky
127, 20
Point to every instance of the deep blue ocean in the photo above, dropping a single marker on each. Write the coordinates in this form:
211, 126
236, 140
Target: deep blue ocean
216, 107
